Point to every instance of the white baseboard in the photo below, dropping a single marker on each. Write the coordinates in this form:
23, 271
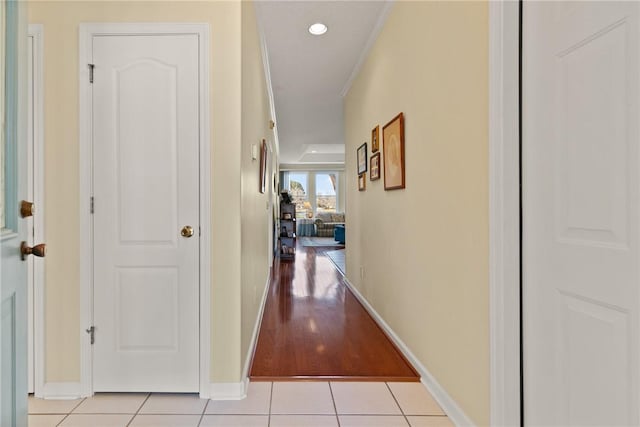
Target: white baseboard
60, 391
446, 402
229, 391
238, 391
256, 329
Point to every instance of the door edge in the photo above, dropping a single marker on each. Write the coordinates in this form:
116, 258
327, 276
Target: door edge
504, 214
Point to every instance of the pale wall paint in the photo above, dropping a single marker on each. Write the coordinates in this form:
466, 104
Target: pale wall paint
60, 22
425, 249
257, 216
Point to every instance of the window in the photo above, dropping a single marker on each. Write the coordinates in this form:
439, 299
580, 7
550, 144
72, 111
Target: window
314, 192
326, 185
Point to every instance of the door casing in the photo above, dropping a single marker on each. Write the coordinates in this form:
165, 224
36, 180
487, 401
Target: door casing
35, 193
504, 213
87, 32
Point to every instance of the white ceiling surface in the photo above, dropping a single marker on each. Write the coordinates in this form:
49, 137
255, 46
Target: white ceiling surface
309, 73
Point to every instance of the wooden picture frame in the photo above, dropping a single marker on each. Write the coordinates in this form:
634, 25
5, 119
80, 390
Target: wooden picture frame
263, 166
374, 167
362, 159
375, 139
393, 148
362, 182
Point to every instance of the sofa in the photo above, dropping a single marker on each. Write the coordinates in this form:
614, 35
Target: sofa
326, 223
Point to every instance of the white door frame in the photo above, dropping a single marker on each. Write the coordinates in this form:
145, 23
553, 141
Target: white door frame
35, 191
504, 212
87, 32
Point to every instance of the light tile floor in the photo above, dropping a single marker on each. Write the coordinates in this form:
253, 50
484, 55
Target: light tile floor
278, 404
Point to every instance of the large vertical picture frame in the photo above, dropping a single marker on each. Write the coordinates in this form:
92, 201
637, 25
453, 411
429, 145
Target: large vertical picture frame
393, 157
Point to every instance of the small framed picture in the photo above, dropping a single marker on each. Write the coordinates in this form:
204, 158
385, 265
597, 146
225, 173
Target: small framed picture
375, 139
362, 159
362, 182
374, 168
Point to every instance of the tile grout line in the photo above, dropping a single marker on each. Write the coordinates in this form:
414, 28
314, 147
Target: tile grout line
64, 418
270, 403
333, 400
398, 403
69, 413
79, 403
138, 411
204, 411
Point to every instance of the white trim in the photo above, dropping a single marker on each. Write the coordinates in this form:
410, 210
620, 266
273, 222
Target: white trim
320, 167
205, 205
375, 32
31, 131
256, 329
229, 391
61, 391
36, 181
86, 32
86, 223
504, 205
446, 402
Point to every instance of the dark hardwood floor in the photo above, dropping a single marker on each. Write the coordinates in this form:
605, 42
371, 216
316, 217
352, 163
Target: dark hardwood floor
315, 328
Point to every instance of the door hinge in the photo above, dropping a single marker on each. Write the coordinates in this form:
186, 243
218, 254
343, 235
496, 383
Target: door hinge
92, 333
91, 67
91, 205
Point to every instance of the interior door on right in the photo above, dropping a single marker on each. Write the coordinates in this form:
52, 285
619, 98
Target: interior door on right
580, 213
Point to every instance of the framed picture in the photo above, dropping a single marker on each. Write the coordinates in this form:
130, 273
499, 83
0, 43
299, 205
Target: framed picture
362, 159
375, 167
362, 182
263, 166
375, 139
393, 147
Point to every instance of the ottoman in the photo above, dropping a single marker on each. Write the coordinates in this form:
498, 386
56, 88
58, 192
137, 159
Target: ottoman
338, 234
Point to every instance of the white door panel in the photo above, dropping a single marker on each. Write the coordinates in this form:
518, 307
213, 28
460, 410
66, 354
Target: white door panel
146, 175
580, 238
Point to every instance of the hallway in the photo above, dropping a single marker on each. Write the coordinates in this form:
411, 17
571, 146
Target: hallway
314, 327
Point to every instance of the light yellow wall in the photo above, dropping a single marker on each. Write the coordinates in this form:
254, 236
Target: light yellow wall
60, 21
257, 216
425, 249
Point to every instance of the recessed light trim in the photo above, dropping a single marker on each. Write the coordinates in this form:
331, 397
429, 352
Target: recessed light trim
318, 29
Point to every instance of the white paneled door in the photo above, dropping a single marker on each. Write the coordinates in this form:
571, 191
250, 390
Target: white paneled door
146, 217
581, 219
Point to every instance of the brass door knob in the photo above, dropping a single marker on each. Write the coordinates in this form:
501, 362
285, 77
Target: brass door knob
38, 250
187, 231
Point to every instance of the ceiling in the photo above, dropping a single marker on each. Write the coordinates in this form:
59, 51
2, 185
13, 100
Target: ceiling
309, 74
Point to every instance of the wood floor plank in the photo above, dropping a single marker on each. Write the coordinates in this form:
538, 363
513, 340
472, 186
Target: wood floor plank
313, 327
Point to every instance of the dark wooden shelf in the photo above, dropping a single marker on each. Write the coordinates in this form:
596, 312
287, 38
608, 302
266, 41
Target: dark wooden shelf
289, 224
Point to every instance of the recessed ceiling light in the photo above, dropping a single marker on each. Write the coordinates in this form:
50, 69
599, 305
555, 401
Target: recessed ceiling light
314, 151
318, 29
